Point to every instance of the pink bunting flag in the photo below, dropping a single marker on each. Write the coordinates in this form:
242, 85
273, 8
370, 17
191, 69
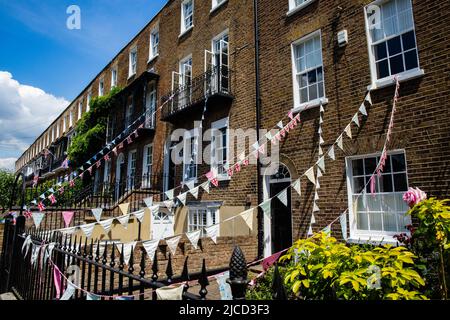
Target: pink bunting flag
136, 135
237, 167
372, 185
106, 157
90, 170
81, 175
141, 126
269, 261
129, 140
41, 206
28, 214
68, 215
35, 180
52, 198
297, 118
61, 190
215, 182
98, 164
115, 151
291, 115
255, 154
230, 172
57, 281
120, 146
72, 183
283, 133
209, 175
262, 149
246, 162
278, 136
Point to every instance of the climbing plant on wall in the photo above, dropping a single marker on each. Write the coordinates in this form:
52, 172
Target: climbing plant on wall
91, 129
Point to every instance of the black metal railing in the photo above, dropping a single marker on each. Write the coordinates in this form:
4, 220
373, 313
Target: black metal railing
216, 81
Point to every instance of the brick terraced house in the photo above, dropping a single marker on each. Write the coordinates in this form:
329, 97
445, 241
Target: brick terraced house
245, 65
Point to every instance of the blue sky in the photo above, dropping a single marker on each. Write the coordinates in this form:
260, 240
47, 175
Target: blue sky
44, 65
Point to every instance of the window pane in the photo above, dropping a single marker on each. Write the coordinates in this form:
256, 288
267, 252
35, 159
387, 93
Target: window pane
319, 74
374, 202
312, 92
303, 80
388, 203
375, 221
400, 205
382, 69
400, 182
408, 40
357, 166
387, 165
396, 64
386, 183
390, 222
312, 77
358, 185
321, 90
394, 46
370, 164
304, 95
405, 20
362, 221
380, 51
398, 162
411, 60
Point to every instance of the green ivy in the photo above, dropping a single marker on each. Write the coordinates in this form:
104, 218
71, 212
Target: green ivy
91, 129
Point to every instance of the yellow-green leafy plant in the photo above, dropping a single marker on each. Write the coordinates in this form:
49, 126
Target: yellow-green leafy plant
323, 268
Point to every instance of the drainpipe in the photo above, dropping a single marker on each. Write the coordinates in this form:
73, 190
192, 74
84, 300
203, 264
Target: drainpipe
258, 127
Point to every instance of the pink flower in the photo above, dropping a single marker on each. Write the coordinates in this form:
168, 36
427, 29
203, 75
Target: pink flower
414, 196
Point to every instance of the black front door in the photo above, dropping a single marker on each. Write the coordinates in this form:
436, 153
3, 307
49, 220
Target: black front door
281, 221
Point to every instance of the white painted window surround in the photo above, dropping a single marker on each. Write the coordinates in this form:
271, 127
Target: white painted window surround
392, 43
132, 62
154, 44
308, 72
187, 16
216, 4
297, 5
219, 148
202, 216
380, 216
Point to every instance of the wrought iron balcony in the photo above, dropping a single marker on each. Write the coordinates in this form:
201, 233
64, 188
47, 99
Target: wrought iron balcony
213, 85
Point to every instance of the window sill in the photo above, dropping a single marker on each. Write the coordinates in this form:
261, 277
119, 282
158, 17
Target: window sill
298, 8
389, 81
217, 7
183, 33
372, 239
310, 105
151, 59
131, 76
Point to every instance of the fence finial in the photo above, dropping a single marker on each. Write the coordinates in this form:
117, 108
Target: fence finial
238, 274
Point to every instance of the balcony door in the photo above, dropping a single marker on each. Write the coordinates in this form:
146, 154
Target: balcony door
120, 176
220, 62
131, 170
147, 166
150, 105
185, 81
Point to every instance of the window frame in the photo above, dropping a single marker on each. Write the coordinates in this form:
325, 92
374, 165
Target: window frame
217, 125
80, 109
193, 134
147, 168
152, 55
389, 80
114, 76
210, 211
293, 8
216, 4
362, 236
88, 100
131, 65
298, 106
184, 29
131, 179
101, 87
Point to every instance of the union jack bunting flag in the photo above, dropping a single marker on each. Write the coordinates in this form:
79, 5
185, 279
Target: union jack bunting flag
98, 164
106, 157
35, 180
27, 214
41, 206
72, 183
129, 140
61, 190
52, 198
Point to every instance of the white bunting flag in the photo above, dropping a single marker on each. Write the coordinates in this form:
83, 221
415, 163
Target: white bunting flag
213, 232
193, 237
139, 215
331, 153
348, 131
321, 141
170, 293
310, 175
363, 109
150, 247
280, 125
368, 98
310, 231
37, 218
106, 224
190, 184
319, 173
320, 150
169, 194
343, 221
282, 196
327, 230
26, 245
124, 220
42, 196
48, 251
194, 192
205, 186
320, 130
265, 206
320, 120
97, 212
69, 291
313, 219
297, 186
356, 119
127, 249
154, 210
169, 204
91, 296
248, 217
316, 196
316, 207
269, 135
124, 207
172, 243
339, 142
182, 197
68, 231
256, 145
322, 109
87, 229
317, 184
148, 202
321, 163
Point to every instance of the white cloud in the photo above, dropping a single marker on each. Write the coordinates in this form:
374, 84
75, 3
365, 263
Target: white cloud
25, 112
7, 163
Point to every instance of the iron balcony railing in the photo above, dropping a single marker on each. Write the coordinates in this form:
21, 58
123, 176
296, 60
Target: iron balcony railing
214, 82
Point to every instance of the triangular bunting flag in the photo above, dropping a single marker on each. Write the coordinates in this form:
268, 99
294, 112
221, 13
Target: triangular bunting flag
320, 150
356, 119
124, 207
106, 224
139, 215
310, 231
343, 221
87, 229
310, 175
317, 184
154, 210
124, 220
67, 216
327, 230
331, 153
348, 131
190, 184
280, 125
313, 219
316, 196
70, 291
248, 217
37, 218
322, 109
97, 212
193, 237
316, 207
321, 163
282, 196
265, 206
269, 135
182, 197
127, 249
169, 194
363, 109
213, 232
91, 296
321, 141
368, 98
205, 186
172, 243
194, 192
148, 202
297, 186
169, 204
339, 142
320, 120
150, 247
319, 173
